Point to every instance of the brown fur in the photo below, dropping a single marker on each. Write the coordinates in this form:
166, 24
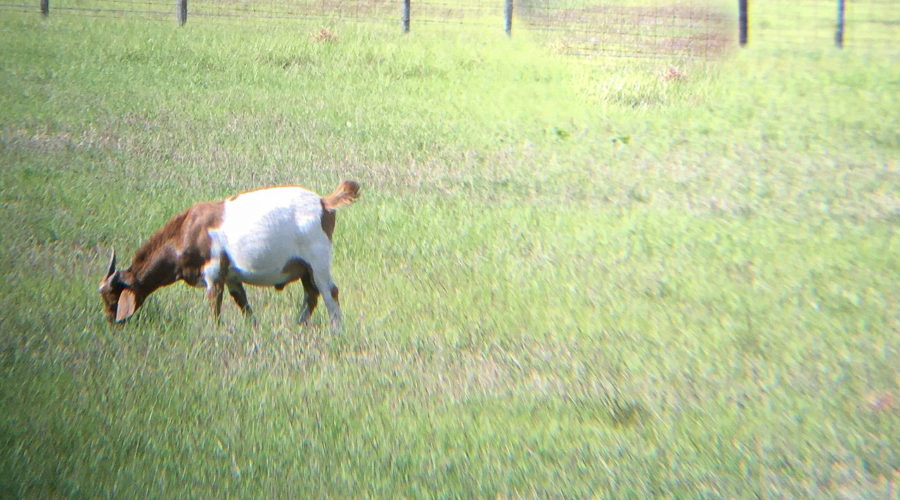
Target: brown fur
295, 269
310, 296
345, 194
299, 269
155, 264
187, 233
237, 292
329, 218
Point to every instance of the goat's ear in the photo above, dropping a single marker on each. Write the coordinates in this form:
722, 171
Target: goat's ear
127, 305
111, 268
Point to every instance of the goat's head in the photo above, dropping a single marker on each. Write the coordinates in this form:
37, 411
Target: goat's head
119, 300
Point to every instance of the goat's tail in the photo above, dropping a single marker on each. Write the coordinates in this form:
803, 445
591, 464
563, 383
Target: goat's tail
344, 194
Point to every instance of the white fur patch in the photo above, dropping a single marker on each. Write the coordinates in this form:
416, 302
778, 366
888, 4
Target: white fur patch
264, 230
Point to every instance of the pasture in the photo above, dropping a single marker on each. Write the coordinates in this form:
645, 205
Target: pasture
616, 278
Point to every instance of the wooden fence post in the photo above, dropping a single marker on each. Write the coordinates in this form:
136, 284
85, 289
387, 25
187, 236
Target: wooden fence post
182, 12
742, 22
45, 7
839, 34
406, 16
508, 12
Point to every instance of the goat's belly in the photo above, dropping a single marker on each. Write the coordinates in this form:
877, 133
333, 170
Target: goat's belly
272, 268
262, 270
262, 278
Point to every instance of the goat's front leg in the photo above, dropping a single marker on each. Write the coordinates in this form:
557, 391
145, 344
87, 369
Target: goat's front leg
214, 295
213, 274
237, 292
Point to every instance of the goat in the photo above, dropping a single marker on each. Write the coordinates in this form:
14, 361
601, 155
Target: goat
267, 237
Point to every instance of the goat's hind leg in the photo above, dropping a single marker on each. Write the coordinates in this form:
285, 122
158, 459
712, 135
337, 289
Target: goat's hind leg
310, 296
322, 278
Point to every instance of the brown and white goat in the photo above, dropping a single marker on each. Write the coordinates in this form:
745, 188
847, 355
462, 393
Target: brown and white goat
267, 237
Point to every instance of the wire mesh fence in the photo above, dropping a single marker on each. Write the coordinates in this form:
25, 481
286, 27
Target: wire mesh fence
869, 24
630, 28
698, 28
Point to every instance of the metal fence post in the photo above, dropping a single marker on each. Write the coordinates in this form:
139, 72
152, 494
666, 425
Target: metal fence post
182, 12
406, 16
742, 21
45, 7
508, 12
839, 34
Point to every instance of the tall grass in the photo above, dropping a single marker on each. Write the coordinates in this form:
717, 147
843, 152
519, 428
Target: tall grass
620, 279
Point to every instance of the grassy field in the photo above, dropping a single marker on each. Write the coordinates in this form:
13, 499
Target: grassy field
617, 279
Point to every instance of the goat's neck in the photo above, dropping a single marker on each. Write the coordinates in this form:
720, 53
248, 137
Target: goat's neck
153, 268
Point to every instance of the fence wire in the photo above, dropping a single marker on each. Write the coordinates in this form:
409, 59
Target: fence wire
870, 24
692, 28
590, 28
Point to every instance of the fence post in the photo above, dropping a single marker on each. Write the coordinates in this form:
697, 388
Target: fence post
742, 21
839, 34
406, 16
182, 12
508, 11
45, 7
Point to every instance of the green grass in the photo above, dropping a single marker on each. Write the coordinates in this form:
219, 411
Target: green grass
615, 278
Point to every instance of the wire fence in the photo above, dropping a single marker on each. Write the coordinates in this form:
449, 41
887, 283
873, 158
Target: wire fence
590, 28
698, 28
868, 24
